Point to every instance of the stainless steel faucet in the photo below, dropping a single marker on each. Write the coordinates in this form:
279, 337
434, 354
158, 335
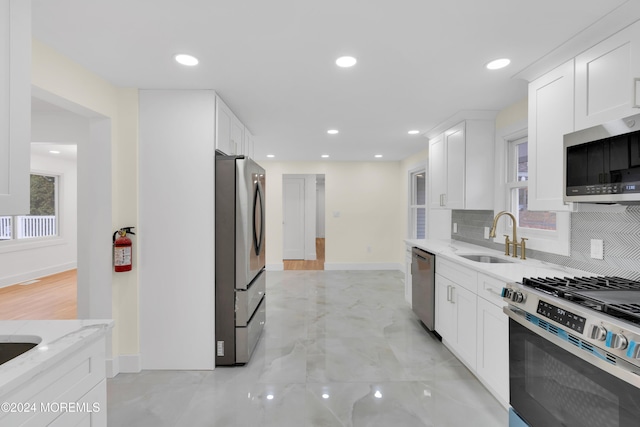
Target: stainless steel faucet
507, 242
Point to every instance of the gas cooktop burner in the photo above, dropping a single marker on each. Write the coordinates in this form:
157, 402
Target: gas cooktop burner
615, 296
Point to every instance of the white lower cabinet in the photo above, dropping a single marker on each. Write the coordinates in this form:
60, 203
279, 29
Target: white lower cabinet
493, 348
470, 320
455, 317
408, 259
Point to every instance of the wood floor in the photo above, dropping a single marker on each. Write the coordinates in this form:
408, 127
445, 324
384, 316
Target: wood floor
299, 264
52, 297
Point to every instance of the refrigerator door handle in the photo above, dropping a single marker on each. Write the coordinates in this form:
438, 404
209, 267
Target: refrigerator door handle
258, 235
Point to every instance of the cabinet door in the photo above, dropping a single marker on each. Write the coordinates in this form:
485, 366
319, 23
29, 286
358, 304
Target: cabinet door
550, 117
493, 348
408, 259
248, 143
437, 172
605, 79
445, 310
237, 136
465, 307
15, 106
454, 141
224, 120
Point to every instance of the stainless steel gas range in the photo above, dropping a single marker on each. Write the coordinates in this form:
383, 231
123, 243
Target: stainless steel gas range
574, 352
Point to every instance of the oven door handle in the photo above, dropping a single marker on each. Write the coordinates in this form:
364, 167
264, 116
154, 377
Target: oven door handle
622, 369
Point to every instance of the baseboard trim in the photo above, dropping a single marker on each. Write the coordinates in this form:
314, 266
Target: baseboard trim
126, 364
275, 267
36, 274
363, 266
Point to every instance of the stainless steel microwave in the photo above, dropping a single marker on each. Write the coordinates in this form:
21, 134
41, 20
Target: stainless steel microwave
602, 163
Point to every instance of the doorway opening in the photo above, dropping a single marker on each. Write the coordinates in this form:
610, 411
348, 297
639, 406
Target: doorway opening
303, 221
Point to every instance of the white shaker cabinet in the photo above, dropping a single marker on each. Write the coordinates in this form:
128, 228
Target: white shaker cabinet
229, 130
15, 106
456, 301
493, 337
437, 172
605, 79
550, 117
461, 166
408, 259
247, 149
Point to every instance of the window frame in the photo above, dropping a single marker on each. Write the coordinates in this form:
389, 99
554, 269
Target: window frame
15, 243
413, 207
555, 242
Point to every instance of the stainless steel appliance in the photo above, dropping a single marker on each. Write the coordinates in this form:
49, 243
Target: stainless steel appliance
240, 258
574, 352
602, 163
423, 277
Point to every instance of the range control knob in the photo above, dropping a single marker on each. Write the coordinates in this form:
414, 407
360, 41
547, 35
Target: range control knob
517, 297
598, 332
619, 342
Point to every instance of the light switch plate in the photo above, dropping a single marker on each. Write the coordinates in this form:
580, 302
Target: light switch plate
486, 233
455, 227
597, 249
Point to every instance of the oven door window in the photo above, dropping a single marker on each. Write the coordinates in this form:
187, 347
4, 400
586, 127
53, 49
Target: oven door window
551, 387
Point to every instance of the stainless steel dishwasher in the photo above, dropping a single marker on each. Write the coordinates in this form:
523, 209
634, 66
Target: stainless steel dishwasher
423, 277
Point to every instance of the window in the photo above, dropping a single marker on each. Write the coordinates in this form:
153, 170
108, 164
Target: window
42, 220
417, 204
517, 187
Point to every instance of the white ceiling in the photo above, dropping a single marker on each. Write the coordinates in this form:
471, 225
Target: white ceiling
419, 61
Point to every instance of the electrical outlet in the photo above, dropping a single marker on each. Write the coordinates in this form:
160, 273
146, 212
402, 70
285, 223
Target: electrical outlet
486, 233
597, 249
455, 227
369, 249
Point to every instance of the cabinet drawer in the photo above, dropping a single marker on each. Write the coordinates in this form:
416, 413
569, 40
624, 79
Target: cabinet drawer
458, 274
490, 289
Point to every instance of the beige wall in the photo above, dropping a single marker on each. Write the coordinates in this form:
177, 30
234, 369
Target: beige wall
367, 197
53, 73
512, 114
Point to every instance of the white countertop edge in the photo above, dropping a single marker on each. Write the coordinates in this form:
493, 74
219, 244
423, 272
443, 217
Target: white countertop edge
513, 271
60, 338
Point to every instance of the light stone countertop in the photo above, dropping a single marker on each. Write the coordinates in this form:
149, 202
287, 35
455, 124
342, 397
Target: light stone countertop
59, 339
507, 272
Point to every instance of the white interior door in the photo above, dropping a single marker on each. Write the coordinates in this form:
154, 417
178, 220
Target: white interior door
293, 218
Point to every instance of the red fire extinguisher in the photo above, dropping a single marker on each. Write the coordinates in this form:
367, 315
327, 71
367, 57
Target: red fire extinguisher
122, 249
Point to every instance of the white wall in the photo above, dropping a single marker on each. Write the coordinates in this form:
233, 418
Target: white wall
23, 260
177, 229
364, 213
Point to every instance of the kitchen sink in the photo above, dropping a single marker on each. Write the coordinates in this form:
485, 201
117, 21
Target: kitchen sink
489, 259
10, 350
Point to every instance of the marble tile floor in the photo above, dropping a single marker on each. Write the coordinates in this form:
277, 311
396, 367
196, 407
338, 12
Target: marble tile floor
340, 348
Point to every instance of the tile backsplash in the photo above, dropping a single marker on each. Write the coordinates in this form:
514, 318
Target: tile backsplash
620, 231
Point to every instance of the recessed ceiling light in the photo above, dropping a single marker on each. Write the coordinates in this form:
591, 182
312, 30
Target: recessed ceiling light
185, 59
346, 61
325, 156
378, 155
270, 155
54, 151
332, 131
413, 132
498, 63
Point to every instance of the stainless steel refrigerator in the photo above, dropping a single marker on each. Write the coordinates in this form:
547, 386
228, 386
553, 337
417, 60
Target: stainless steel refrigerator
240, 258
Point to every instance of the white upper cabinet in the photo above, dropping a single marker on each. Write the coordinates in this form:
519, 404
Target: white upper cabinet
229, 130
15, 106
437, 171
247, 149
461, 166
605, 79
550, 117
